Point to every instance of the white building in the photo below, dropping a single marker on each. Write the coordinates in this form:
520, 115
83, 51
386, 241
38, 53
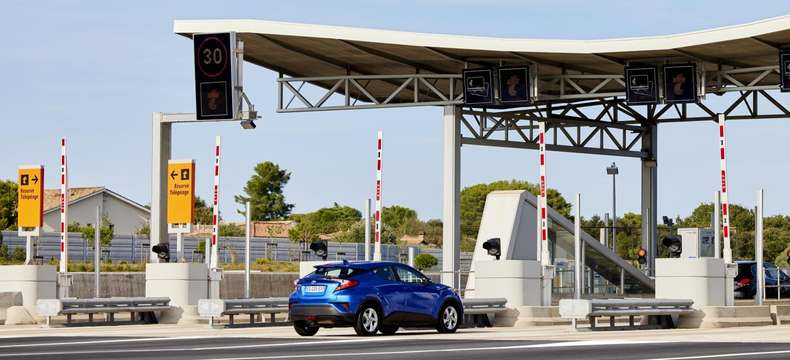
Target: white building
126, 215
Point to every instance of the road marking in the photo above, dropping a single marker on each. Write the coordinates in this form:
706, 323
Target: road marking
180, 349
718, 356
92, 342
483, 348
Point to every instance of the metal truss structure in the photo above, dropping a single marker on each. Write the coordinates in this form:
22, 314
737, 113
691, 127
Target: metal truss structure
583, 113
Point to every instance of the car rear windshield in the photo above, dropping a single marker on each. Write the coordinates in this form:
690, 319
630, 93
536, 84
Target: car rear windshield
336, 272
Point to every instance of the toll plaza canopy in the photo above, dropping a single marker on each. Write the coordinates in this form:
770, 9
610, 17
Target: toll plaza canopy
305, 50
580, 90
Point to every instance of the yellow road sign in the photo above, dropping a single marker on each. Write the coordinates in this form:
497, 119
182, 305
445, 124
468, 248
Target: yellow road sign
30, 197
180, 191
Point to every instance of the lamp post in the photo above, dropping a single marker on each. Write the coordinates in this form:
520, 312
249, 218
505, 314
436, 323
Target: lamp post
612, 170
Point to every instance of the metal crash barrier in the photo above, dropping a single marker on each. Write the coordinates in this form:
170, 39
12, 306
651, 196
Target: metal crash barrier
476, 310
214, 308
140, 308
660, 312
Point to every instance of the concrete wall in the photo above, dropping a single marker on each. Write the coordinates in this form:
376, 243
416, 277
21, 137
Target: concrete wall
126, 218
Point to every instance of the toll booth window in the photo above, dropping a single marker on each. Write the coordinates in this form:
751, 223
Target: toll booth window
385, 272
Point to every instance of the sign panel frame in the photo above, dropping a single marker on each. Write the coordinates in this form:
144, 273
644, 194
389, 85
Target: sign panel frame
30, 197
639, 89
180, 192
671, 75
478, 86
216, 76
518, 98
784, 70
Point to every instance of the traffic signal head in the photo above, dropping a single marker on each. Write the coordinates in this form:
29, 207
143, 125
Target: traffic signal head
674, 245
319, 247
162, 251
788, 257
642, 256
493, 247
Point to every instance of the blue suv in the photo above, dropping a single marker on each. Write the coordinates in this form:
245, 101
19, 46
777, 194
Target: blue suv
372, 297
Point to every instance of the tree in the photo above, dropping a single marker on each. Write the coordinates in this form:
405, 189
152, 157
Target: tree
204, 215
8, 199
105, 235
425, 261
402, 220
264, 191
226, 229
473, 200
327, 220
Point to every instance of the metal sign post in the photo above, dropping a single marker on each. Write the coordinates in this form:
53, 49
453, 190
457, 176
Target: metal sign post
377, 247
97, 252
64, 210
758, 250
717, 225
180, 201
30, 200
577, 263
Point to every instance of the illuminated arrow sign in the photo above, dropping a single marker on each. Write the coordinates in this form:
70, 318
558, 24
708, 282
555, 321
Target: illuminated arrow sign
180, 192
30, 196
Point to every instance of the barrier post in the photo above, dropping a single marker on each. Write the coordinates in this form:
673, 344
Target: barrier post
64, 212
377, 248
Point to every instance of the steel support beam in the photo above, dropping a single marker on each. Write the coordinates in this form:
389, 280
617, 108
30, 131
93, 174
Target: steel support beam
451, 208
160, 154
649, 191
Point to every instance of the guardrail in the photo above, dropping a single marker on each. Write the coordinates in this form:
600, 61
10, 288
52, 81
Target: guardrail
656, 308
212, 308
133, 305
476, 309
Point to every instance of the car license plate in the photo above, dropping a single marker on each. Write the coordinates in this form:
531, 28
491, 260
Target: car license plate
313, 289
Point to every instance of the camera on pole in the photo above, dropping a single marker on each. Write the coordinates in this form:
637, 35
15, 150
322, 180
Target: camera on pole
493, 247
674, 245
319, 247
162, 251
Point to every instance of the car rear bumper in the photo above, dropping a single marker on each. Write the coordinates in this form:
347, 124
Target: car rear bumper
322, 314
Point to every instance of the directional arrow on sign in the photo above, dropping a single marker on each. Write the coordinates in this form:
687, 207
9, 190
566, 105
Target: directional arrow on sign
173, 175
35, 179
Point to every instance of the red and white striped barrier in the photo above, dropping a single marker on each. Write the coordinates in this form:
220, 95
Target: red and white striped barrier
543, 223
725, 204
64, 209
377, 237
213, 264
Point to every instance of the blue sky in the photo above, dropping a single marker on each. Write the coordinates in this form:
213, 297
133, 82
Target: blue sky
94, 71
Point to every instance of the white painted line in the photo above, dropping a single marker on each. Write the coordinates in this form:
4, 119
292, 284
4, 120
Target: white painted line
719, 356
91, 342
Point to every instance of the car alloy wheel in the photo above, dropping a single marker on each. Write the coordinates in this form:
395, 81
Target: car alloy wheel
368, 321
450, 318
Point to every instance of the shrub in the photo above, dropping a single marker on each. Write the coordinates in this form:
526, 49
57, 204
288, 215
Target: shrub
18, 255
425, 261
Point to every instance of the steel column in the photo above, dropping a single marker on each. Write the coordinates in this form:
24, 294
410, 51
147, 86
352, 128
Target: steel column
160, 154
451, 209
649, 195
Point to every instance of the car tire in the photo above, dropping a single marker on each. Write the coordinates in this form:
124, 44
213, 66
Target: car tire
368, 320
389, 329
303, 329
449, 319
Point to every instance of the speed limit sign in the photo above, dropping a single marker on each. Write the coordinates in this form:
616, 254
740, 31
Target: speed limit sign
215, 76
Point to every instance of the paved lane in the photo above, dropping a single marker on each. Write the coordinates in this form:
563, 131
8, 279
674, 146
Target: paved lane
413, 346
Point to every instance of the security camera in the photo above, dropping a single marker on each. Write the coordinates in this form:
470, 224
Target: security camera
248, 124
319, 247
162, 251
493, 247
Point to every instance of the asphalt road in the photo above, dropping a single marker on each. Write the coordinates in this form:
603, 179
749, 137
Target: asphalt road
411, 345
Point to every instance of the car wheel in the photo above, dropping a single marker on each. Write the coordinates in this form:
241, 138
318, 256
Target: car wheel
449, 319
303, 329
368, 320
389, 329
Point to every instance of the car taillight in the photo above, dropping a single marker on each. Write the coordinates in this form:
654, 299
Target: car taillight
345, 284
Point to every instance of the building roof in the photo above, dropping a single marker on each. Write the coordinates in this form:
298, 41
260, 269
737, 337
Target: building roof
306, 50
77, 194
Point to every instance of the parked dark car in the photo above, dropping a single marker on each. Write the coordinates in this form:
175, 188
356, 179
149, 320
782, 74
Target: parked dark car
746, 286
372, 297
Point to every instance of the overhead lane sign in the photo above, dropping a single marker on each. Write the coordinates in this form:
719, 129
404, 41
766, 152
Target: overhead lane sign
180, 191
215, 76
30, 196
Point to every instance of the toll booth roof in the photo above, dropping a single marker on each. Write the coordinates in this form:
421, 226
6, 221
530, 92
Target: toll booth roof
307, 50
